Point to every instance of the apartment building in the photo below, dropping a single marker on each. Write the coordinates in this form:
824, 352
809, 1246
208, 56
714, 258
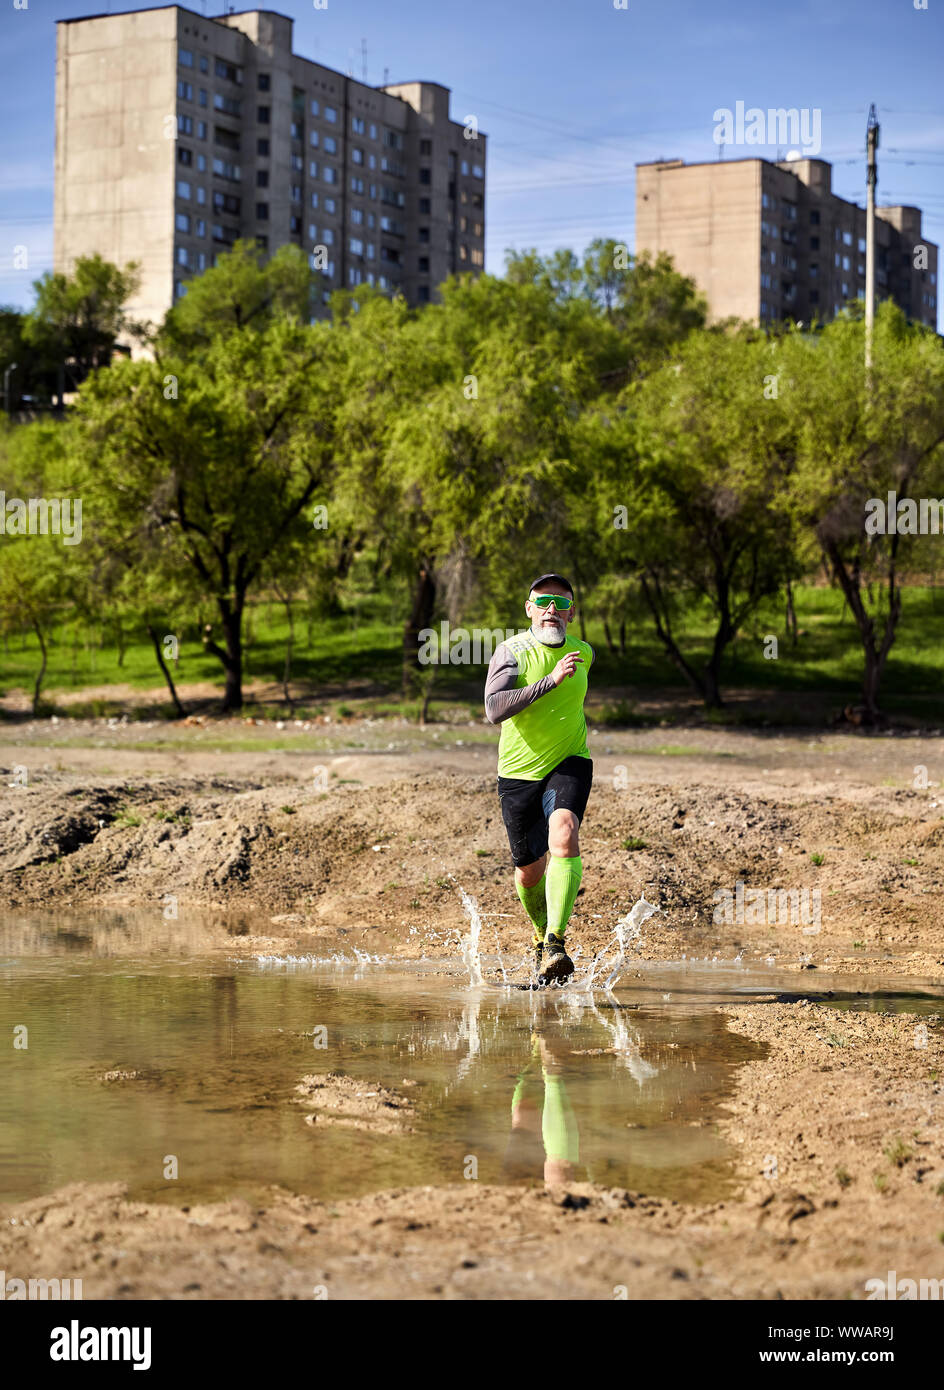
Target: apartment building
177, 134
771, 241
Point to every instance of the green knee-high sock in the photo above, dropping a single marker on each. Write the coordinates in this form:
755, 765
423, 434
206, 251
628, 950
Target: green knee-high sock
535, 905
563, 879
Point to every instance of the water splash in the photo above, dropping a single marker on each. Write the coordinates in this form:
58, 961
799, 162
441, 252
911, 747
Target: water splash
626, 933
338, 958
470, 943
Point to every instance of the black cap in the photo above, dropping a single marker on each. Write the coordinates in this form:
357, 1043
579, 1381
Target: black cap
542, 579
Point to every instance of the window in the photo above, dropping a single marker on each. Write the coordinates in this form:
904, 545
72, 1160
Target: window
330, 145
313, 169
329, 174
422, 294
227, 138
314, 200
357, 185
312, 232
201, 260
297, 164
357, 125
295, 225
814, 296
185, 125
814, 217
478, 256
845, 263
847, 238
357, 217
182, 222
329, 205
264, 82
477, 171
184, 156
296, 192
180, 289
226, 235
297, 130
372, 221
424, 232
315, 108
425, 176
185, 57
371, 251
183, 188
390, 224
357, 156
330, 114
262, 148
373, 131
202, 96
463, 226
392, 196
356, 246
201, 196
228, 70
423, 265
814, 243
477, 229
230, 105
393, 140
262, 212
327, 236
313, 139
201, 130
814, 272
185, 91
262, 114
861, 245
202, 163
426, 147
354, 275
183, 255
204, 63
226, 202
838, 260
200, 229
372, 161
465, 166
425, 206
262, 178
226, 170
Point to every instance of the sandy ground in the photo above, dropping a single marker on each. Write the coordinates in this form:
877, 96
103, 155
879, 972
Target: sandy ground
362, 834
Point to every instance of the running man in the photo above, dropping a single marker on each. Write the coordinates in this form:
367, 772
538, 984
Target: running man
536, 687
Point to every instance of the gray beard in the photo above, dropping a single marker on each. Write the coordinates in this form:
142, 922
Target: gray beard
550, 636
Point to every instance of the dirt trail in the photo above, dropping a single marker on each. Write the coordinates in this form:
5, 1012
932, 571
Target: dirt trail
838, 1130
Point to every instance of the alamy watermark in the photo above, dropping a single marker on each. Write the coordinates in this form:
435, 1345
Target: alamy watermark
906, 516
458, 646
38, 1289
793, 907
800, 129
41, 516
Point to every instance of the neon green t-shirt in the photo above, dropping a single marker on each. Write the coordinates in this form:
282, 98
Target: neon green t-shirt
535, 740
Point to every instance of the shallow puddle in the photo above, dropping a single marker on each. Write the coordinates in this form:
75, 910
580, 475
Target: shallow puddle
139, 1065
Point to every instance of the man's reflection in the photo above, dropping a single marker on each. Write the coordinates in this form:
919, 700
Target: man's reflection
544, 1134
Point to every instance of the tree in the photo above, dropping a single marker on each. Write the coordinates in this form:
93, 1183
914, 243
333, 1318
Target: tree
243, 290
78, 318
690, 467
856, 443
215, 460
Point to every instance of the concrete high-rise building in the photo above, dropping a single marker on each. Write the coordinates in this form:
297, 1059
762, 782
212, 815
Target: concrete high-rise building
771, 241
177, 134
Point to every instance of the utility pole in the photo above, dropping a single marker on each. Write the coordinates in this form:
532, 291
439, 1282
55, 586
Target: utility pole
871, 145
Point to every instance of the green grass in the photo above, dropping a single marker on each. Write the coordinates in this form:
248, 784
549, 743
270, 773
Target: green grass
364, 646
634, 843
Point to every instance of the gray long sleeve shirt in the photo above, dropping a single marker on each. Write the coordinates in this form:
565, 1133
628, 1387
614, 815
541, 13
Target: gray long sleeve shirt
502, 697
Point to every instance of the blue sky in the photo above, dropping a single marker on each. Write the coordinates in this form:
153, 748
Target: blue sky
572, 94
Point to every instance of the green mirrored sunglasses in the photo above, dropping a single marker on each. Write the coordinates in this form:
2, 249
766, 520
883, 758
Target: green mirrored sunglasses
545, 601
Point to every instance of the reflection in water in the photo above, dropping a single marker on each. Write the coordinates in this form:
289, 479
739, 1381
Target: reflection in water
134, 1055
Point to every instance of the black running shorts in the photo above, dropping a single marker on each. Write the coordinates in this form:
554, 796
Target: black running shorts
526, 806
